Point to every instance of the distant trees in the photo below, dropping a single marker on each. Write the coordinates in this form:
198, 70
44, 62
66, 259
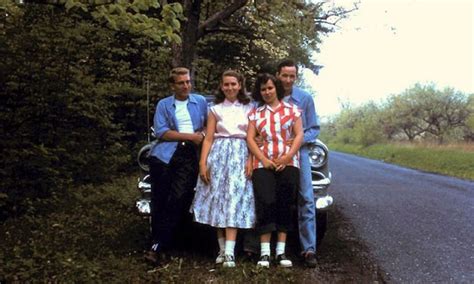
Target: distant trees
419, 113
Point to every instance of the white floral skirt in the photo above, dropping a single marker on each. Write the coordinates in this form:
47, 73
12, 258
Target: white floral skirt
228, 200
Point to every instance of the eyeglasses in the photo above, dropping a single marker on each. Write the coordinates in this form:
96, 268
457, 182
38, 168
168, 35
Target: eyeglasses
182, 83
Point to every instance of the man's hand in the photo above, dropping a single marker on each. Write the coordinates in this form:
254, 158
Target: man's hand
197, 138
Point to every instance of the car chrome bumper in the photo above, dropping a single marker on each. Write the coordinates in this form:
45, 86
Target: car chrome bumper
320, 185
143, 206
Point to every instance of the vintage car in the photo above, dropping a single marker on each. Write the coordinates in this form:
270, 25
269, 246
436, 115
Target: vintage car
321, 179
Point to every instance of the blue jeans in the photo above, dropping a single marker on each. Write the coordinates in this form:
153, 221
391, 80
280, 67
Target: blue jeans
306, 206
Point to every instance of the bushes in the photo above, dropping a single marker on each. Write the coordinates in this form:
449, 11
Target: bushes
72, 104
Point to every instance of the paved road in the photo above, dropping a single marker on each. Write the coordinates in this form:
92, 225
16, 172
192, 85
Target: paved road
418, 226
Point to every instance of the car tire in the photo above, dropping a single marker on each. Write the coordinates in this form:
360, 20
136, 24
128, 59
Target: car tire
321, 225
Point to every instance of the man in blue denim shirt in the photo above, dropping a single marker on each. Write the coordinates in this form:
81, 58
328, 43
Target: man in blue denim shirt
287, 72
178, 122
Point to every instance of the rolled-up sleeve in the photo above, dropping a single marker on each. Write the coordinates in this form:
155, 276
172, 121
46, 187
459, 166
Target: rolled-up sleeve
160, 120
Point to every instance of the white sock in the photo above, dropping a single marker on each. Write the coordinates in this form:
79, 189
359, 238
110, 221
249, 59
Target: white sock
229, 247
221, 242
280, 248
264, 249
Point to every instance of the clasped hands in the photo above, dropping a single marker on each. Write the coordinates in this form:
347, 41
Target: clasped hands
278, 164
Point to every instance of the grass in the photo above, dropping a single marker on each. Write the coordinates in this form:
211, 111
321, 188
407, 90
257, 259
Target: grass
455, 160
94, 235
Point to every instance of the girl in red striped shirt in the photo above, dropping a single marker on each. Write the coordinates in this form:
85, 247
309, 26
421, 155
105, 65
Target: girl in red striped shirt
276, 164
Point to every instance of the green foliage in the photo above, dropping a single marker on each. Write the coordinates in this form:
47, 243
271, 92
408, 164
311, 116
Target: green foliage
83, 237
255, 37
139, 17
419, 113
73, 102
424, 111
468, 129
356, 126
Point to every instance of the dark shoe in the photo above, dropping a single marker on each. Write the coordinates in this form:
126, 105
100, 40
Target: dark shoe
154, 258
310, 259
283, 261
264, 261
250, 257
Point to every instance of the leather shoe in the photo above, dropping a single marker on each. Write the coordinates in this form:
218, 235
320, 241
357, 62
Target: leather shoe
154, 257
250, 256
310, 259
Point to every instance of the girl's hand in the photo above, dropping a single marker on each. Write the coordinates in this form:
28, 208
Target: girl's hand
259, 140
269, 164
204, 174
280, 168
283, 160
248, 168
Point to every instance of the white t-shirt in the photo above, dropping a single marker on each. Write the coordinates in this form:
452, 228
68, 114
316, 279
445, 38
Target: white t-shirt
185, 124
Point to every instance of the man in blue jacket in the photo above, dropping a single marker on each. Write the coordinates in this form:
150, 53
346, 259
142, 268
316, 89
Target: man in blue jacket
178, 122
287, 72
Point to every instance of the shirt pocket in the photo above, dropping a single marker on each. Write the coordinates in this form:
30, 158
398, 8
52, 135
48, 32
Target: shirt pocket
286, 122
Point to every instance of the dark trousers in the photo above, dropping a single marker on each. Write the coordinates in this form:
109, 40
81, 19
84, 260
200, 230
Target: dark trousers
172, 191
275, 198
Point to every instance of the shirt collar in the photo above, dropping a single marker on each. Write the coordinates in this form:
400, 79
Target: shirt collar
295, 94
226, 102
191, 99
281, 105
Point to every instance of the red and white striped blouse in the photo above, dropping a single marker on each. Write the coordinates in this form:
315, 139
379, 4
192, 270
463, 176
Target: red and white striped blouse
275, 127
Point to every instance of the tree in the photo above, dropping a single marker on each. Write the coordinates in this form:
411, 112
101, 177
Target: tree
266, 24
434, 112
401, 116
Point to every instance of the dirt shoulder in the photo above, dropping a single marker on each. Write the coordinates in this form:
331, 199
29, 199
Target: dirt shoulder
95, 235
342, 258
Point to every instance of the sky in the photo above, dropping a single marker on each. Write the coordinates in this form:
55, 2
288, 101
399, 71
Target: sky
387, 46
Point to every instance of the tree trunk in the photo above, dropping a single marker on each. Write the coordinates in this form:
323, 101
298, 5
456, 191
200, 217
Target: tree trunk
183, 54
192, 30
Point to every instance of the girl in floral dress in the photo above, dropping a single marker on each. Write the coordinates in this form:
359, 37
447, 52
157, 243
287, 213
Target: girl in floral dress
224, 194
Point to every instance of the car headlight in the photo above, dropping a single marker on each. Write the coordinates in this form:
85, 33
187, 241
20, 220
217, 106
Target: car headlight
318, 155
142, 157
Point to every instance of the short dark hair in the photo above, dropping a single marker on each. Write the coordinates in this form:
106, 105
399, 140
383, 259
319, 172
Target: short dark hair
177, 72
241, 96
263, 79
287, 63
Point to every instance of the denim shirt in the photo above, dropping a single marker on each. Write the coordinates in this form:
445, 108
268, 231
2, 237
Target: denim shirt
305, 103
165, 120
